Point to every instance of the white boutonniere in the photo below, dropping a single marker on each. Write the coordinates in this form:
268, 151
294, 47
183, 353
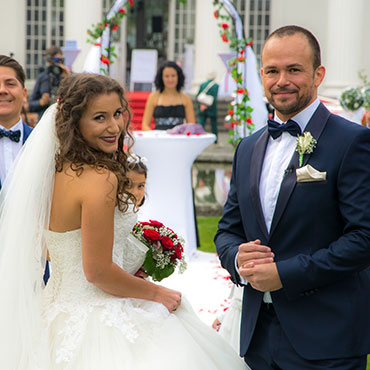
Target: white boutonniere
305, 145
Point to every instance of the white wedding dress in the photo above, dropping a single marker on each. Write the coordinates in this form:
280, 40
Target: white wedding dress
88, 329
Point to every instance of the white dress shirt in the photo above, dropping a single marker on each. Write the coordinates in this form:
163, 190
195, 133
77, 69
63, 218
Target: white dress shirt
278, 155
9, 150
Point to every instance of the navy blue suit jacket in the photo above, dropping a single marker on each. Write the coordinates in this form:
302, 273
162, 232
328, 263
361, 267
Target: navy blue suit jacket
320, 235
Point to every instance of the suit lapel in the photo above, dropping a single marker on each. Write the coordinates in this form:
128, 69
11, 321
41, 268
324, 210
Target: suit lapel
26, 132
255, 175
315, 125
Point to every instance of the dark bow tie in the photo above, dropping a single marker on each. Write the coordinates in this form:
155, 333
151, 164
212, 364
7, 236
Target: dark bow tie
276, 129
12, 135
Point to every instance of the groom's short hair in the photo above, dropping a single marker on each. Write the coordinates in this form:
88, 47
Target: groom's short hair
6, 61
292, 30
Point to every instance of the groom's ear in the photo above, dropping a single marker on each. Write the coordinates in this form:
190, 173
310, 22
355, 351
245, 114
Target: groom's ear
319, 75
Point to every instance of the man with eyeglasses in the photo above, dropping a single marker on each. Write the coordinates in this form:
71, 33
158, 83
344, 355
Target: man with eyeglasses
48, 81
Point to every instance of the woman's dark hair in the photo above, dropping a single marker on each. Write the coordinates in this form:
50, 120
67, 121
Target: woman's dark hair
74, 94
159, 85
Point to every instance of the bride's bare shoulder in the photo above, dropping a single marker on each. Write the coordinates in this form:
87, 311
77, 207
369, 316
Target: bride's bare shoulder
87, 180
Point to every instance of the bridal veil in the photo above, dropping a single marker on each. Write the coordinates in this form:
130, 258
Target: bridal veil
24, 215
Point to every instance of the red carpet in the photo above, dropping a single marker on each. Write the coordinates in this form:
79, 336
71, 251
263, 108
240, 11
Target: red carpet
137, 100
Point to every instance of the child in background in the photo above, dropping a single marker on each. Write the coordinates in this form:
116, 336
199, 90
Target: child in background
137, 175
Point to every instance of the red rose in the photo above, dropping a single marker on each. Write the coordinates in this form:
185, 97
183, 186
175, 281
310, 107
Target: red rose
98, 44
166, 242
230, 112
215, 14
178, 251
241, 59
224, 38
155, 223
224, 26
123, 11
131, 2
249, 121
105, 60
151, 235
188, 134
240, 91
114, 28
250, 43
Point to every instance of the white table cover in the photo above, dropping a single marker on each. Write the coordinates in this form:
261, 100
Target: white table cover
169, 197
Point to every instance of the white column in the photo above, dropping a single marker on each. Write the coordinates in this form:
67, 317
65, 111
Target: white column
344, 50
171, 30
208, 44
13, 39
78, 18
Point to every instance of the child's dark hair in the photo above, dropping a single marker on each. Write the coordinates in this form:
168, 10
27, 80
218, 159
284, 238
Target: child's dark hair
136, 163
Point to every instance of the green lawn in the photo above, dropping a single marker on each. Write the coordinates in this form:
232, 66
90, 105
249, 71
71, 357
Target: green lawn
207, 227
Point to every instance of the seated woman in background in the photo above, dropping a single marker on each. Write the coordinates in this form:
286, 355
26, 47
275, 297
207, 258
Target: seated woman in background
168, 105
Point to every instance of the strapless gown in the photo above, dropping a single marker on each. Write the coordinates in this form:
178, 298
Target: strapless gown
88, 329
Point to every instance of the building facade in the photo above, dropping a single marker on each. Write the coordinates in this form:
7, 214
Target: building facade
187, 33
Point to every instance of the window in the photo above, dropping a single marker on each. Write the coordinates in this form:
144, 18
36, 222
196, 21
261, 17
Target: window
44, 27
184, 27
256, 17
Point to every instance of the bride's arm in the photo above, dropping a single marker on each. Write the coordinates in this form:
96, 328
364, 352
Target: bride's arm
97, 231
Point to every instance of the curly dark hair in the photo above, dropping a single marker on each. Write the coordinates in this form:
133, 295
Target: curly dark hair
158, 82
74, 94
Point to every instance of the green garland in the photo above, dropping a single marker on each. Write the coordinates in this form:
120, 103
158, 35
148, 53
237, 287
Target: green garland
96, 32
238, 112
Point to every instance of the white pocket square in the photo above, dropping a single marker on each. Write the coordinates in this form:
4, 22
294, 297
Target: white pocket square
308, 173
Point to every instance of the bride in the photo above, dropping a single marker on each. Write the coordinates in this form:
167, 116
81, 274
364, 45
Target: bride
68, 197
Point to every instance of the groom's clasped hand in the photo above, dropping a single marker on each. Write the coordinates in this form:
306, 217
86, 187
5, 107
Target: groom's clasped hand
256, 265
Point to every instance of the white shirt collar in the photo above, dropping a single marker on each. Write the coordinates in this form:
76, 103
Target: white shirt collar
303, 117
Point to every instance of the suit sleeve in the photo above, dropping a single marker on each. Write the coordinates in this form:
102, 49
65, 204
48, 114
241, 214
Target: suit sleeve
230, 233
350, 253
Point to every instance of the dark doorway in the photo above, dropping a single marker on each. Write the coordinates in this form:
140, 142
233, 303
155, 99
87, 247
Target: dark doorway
147, 28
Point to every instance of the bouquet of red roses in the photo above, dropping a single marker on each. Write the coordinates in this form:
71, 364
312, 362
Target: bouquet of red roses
165, 251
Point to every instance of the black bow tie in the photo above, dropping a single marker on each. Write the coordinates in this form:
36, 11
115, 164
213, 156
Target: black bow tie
276, 129
12, 135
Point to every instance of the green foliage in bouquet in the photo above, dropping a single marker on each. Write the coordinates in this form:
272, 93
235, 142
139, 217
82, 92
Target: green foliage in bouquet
151, 268
165, 252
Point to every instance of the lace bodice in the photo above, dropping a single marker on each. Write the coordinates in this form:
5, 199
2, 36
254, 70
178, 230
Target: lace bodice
68, 290
66, 257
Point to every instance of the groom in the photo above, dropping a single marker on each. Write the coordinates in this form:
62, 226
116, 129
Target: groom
299, 238
13, 131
